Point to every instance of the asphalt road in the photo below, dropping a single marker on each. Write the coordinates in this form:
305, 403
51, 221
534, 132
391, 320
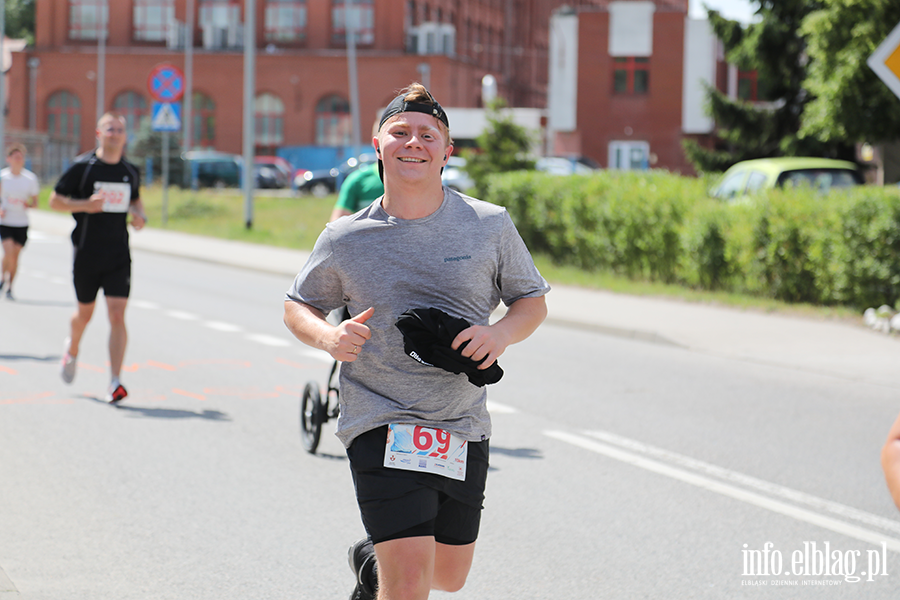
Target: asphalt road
620, 468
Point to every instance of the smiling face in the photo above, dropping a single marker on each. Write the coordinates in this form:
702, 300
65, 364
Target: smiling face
413, 147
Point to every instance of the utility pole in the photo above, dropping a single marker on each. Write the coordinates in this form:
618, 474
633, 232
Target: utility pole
249, 87
187, 139
350, 29
2, 76
101, 60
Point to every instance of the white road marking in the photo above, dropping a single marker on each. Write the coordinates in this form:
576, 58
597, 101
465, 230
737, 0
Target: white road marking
180, 314
795, 512
316, 354
774, 489
268, 340
144, 304
496, 408
59, 280
220, 326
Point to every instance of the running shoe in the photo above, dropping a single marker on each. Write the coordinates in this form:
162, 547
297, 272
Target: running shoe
67, 370
116, 394
361, 557
9, 295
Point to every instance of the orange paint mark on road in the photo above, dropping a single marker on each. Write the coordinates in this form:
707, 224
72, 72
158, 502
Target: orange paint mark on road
93, 368
216, 361
159, 365
8, 370
131, 368
296, 365
243, 394
37, 398
288, 391
188, 394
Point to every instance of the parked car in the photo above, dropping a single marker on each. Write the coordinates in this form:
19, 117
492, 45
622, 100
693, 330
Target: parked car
328, 181
455, 176
566, 165
750, 176
274, 172
214, 169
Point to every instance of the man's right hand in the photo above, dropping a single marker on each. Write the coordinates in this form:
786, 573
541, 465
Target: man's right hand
350, 336
94, 204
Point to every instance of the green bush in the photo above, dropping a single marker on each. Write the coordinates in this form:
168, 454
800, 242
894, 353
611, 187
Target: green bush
795, 245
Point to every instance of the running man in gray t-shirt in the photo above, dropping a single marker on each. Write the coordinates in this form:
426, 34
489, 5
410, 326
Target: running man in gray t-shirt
419, 246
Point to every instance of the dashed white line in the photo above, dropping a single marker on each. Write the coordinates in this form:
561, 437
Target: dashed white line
789, 510
496, 408
221, 326
184, 316
268, 340
145, 304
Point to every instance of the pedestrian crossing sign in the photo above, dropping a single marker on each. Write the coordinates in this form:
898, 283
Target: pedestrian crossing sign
166, 116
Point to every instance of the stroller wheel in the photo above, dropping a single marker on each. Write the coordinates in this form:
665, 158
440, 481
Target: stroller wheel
311, 416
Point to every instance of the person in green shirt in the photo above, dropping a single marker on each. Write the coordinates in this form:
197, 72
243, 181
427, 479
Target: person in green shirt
358, 191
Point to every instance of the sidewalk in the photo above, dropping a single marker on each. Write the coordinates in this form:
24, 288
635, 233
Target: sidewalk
838, 349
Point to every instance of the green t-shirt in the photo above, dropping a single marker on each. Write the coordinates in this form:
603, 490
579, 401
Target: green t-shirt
360, 188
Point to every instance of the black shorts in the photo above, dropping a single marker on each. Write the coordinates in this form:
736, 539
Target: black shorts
91, 275
398, 504
18, 234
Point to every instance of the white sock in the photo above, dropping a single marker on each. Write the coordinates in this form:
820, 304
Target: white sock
114, 383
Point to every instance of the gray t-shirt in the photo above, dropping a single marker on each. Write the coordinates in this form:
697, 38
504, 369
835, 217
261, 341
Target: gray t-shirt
465, 258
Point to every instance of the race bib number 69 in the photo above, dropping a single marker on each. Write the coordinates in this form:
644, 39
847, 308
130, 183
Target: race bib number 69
425, 449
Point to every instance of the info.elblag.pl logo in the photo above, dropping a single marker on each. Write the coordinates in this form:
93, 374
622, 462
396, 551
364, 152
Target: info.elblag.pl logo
813, 564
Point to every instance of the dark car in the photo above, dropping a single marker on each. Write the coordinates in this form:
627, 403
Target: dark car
272, 172
328, 181
213, 169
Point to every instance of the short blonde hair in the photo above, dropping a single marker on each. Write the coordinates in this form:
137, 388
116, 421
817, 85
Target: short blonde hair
16, 148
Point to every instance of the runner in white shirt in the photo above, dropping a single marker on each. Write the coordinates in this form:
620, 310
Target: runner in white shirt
19, 190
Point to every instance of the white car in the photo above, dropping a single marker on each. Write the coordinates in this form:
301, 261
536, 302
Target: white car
455, 176
564, 165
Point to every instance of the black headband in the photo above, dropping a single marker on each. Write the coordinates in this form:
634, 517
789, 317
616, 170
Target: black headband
400, 105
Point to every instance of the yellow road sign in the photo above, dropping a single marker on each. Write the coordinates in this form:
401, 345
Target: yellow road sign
885, 61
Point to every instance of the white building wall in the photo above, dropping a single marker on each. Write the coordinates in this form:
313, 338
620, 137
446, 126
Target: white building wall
699, 70
562, 88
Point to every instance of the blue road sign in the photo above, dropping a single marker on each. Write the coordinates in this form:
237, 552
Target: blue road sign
166, 83
166, 116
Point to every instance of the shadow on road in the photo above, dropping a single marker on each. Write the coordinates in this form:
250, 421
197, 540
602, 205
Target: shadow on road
45, 359
165, 413
28, 302
517, 452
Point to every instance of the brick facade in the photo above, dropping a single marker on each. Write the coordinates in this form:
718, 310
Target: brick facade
506, 38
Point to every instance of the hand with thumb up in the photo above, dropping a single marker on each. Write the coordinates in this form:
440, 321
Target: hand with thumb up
350, 336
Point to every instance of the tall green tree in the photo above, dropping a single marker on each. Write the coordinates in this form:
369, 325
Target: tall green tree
775, 48
19, 19
850, 102
502, 146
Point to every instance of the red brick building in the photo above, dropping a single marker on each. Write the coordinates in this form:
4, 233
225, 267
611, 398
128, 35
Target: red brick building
302, 88
627, 83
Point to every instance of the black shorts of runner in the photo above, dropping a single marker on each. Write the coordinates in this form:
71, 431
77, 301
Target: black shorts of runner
91, 275
17, 234
397, 504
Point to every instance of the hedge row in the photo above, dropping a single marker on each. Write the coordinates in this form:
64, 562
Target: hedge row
794, 245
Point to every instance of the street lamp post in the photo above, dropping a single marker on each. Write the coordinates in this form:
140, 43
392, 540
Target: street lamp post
350, 29
249, 85
101, 60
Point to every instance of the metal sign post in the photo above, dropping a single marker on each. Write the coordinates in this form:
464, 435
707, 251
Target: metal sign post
166, 85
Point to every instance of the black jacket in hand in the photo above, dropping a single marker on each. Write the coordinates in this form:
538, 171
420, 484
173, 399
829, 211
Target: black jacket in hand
427, 335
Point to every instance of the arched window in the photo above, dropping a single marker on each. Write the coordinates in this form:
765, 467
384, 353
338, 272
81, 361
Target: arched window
133, 107
268, 112
64, 116
333, 121
203, 115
